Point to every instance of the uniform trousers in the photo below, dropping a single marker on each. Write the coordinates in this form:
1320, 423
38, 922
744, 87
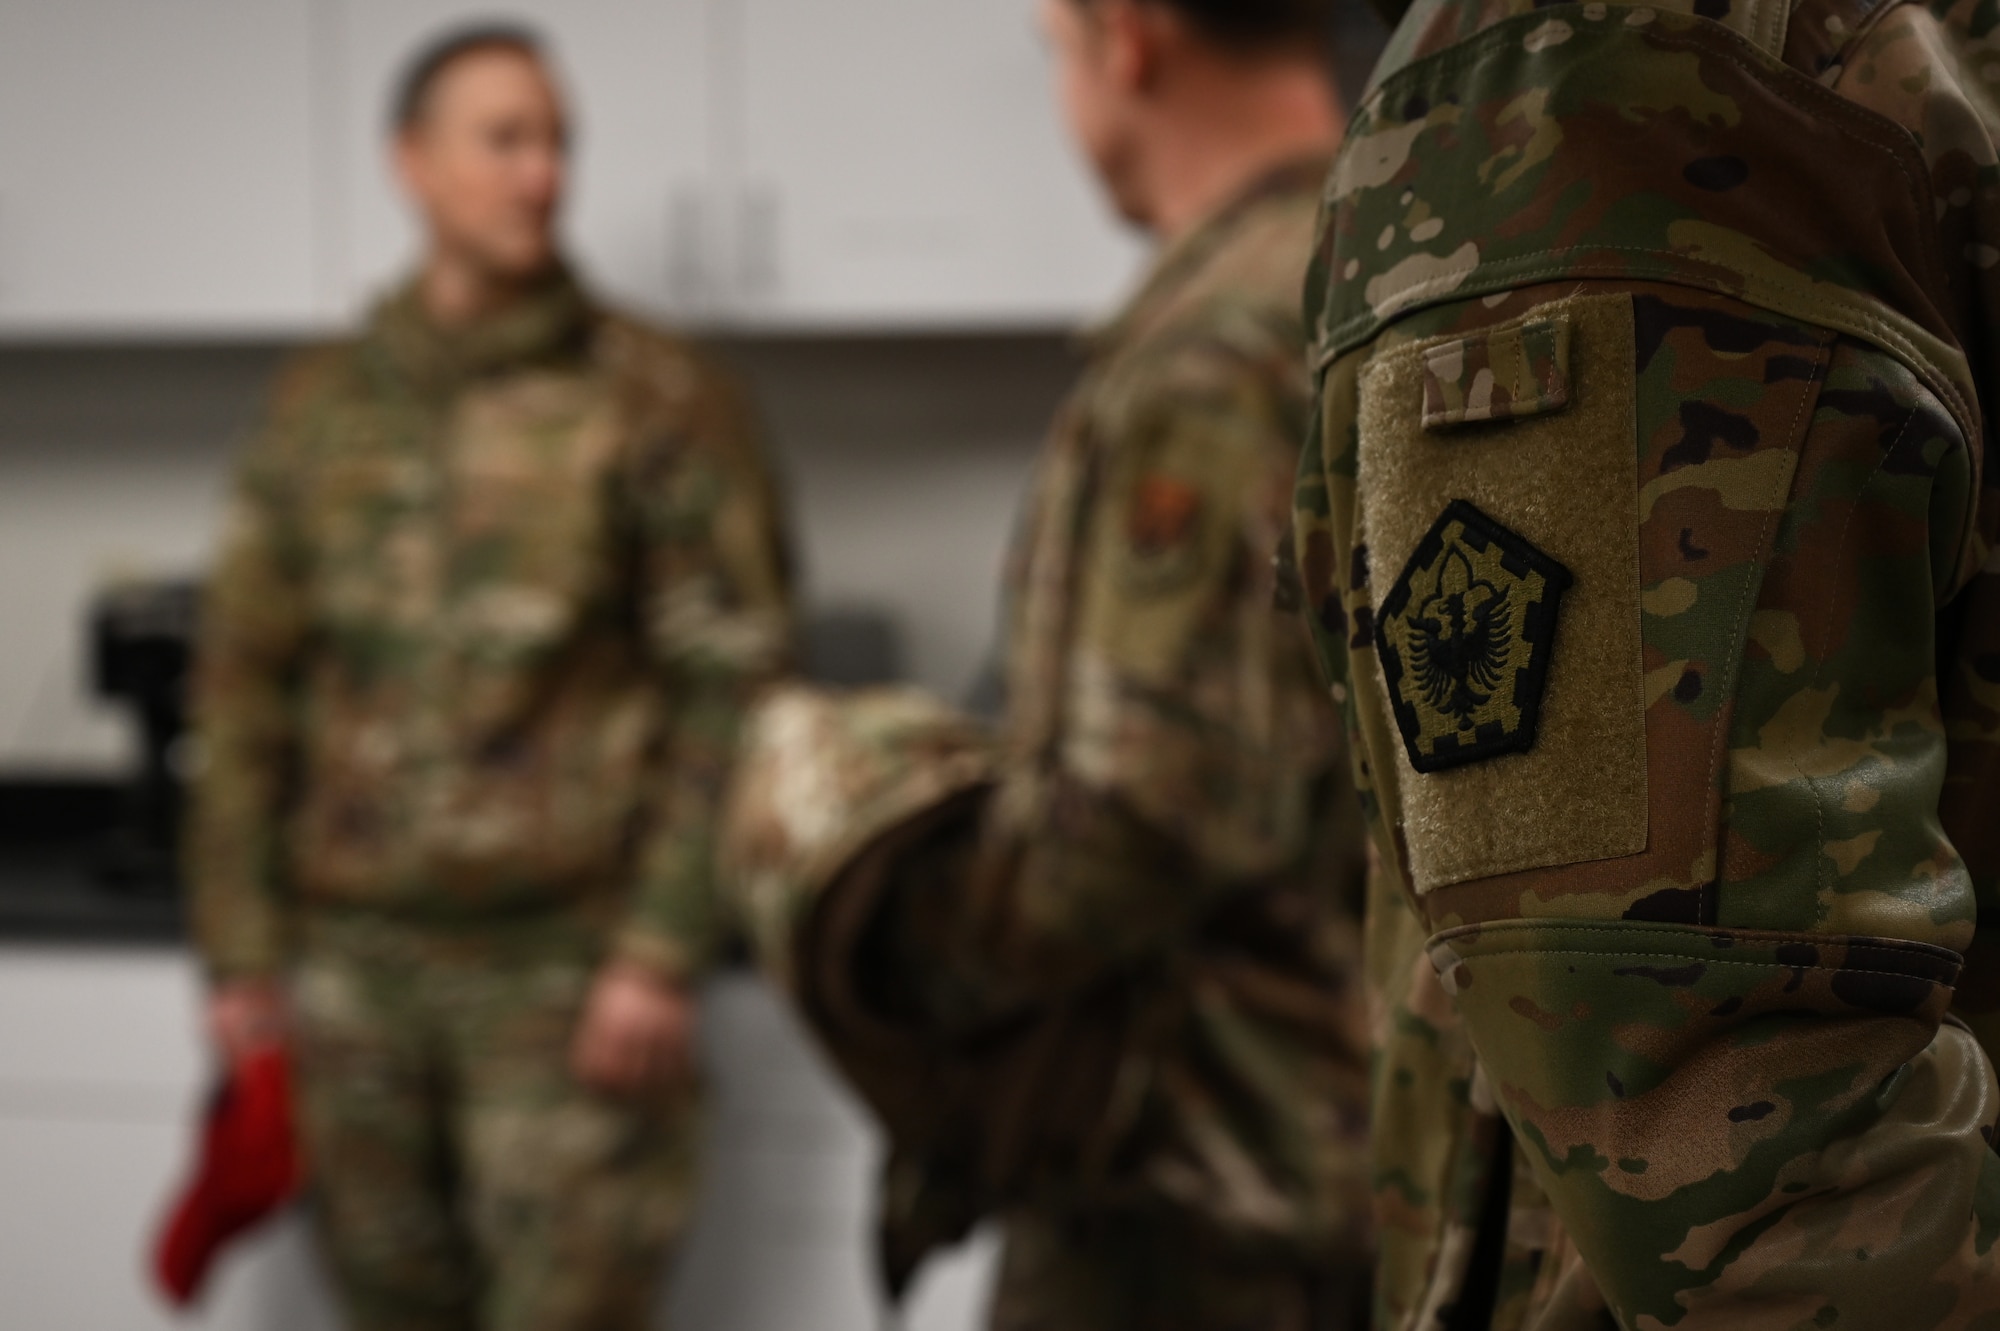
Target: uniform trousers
462, 1180
1083, 1272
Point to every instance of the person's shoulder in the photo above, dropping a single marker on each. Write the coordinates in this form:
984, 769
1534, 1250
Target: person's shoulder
667, 369
679, 403
313, 384
1237, 320
1261, 262
315, 374
1235, 352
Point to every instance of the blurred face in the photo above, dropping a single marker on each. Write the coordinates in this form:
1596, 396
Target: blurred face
1100, 68
484, 164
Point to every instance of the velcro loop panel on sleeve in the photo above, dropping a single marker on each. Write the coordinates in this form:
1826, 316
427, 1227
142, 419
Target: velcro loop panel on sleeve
1502, 375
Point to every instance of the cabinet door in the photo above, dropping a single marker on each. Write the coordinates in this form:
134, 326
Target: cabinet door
635, 72
902, 163
101, 1076
155, 168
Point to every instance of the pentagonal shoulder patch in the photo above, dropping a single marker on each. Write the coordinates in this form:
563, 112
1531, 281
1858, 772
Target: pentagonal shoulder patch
1466, 636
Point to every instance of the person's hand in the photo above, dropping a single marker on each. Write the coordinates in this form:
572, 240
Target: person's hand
637, 1032
244, 1017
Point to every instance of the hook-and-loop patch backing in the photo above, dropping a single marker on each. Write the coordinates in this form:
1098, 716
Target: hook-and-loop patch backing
1499, 507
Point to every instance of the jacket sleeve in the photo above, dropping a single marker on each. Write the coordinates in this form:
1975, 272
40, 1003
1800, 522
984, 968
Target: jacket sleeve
244, 706
715, 605
1733, 1052
1180, 748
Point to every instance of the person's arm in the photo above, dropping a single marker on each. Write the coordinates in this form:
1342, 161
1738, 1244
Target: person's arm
717, 616
245, 730
1725, 1046
1193, 739
714, 605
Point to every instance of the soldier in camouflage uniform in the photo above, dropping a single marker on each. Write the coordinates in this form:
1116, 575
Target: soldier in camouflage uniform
1648, 538
1094, 973
499, 580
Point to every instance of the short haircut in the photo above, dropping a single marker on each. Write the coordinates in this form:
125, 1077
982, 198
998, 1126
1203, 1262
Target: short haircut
420, 76
1260, 25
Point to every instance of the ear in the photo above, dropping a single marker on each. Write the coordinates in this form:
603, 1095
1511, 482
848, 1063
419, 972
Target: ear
406, 158
1131, 35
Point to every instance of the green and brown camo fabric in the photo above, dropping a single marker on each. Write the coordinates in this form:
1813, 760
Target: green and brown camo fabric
1517, 371
487, 612
1675, 997
428, 1052
1169, 768
1098, 967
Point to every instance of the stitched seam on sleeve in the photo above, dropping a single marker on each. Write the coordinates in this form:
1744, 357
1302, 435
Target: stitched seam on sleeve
1717, 961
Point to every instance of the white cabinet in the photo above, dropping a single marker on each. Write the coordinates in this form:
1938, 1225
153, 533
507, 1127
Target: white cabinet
780, 163
901, 163
219, 168
155, 167
100, 1072
636, 73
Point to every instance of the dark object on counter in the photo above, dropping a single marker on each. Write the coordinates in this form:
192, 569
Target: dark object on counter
142, 647
53, 834
250, 1167
851, 647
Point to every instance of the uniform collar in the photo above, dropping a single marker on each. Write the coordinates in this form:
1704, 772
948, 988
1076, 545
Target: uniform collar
549, 323
1181, 261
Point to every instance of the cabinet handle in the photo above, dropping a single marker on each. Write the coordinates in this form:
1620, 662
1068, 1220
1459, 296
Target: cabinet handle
758, 266
687, 250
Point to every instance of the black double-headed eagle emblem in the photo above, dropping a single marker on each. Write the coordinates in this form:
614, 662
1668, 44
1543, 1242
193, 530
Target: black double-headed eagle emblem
1465, 636
1459, 641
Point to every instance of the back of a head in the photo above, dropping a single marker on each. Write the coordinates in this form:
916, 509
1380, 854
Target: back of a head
1261, 27
424, 71
480, 142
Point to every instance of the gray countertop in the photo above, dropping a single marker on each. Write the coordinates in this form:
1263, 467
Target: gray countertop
57, 895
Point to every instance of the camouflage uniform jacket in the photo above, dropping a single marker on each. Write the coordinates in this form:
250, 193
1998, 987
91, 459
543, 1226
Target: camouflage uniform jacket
1645, 536
487, 611
1168, 755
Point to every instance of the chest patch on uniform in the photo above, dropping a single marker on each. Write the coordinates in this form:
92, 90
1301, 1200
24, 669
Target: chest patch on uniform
1466, 636
1164, 545
1164, 514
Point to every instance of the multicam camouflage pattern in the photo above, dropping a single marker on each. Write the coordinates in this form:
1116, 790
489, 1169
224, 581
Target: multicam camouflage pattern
1083, 1274
1154, 702
819, 779
1516, 372
1722, 1080
1170, 791
486, 616
1097, 969
568, 1204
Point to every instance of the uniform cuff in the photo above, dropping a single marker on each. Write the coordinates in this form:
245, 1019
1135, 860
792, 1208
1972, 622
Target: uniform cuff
240, 970
236, 950
670, 960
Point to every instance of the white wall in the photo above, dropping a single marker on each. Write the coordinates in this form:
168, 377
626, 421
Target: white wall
110, 463
100, 1077
905, 459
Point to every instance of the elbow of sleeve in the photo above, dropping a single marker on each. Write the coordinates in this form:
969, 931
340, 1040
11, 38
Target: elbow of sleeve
1743, 1129
668, 957
242, 938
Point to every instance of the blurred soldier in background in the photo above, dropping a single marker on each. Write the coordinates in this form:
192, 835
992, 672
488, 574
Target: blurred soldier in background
1095, 976
1167, 783
499, 579
1650, 540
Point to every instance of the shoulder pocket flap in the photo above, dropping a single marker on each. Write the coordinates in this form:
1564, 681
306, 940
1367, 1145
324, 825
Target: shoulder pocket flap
1506, 374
